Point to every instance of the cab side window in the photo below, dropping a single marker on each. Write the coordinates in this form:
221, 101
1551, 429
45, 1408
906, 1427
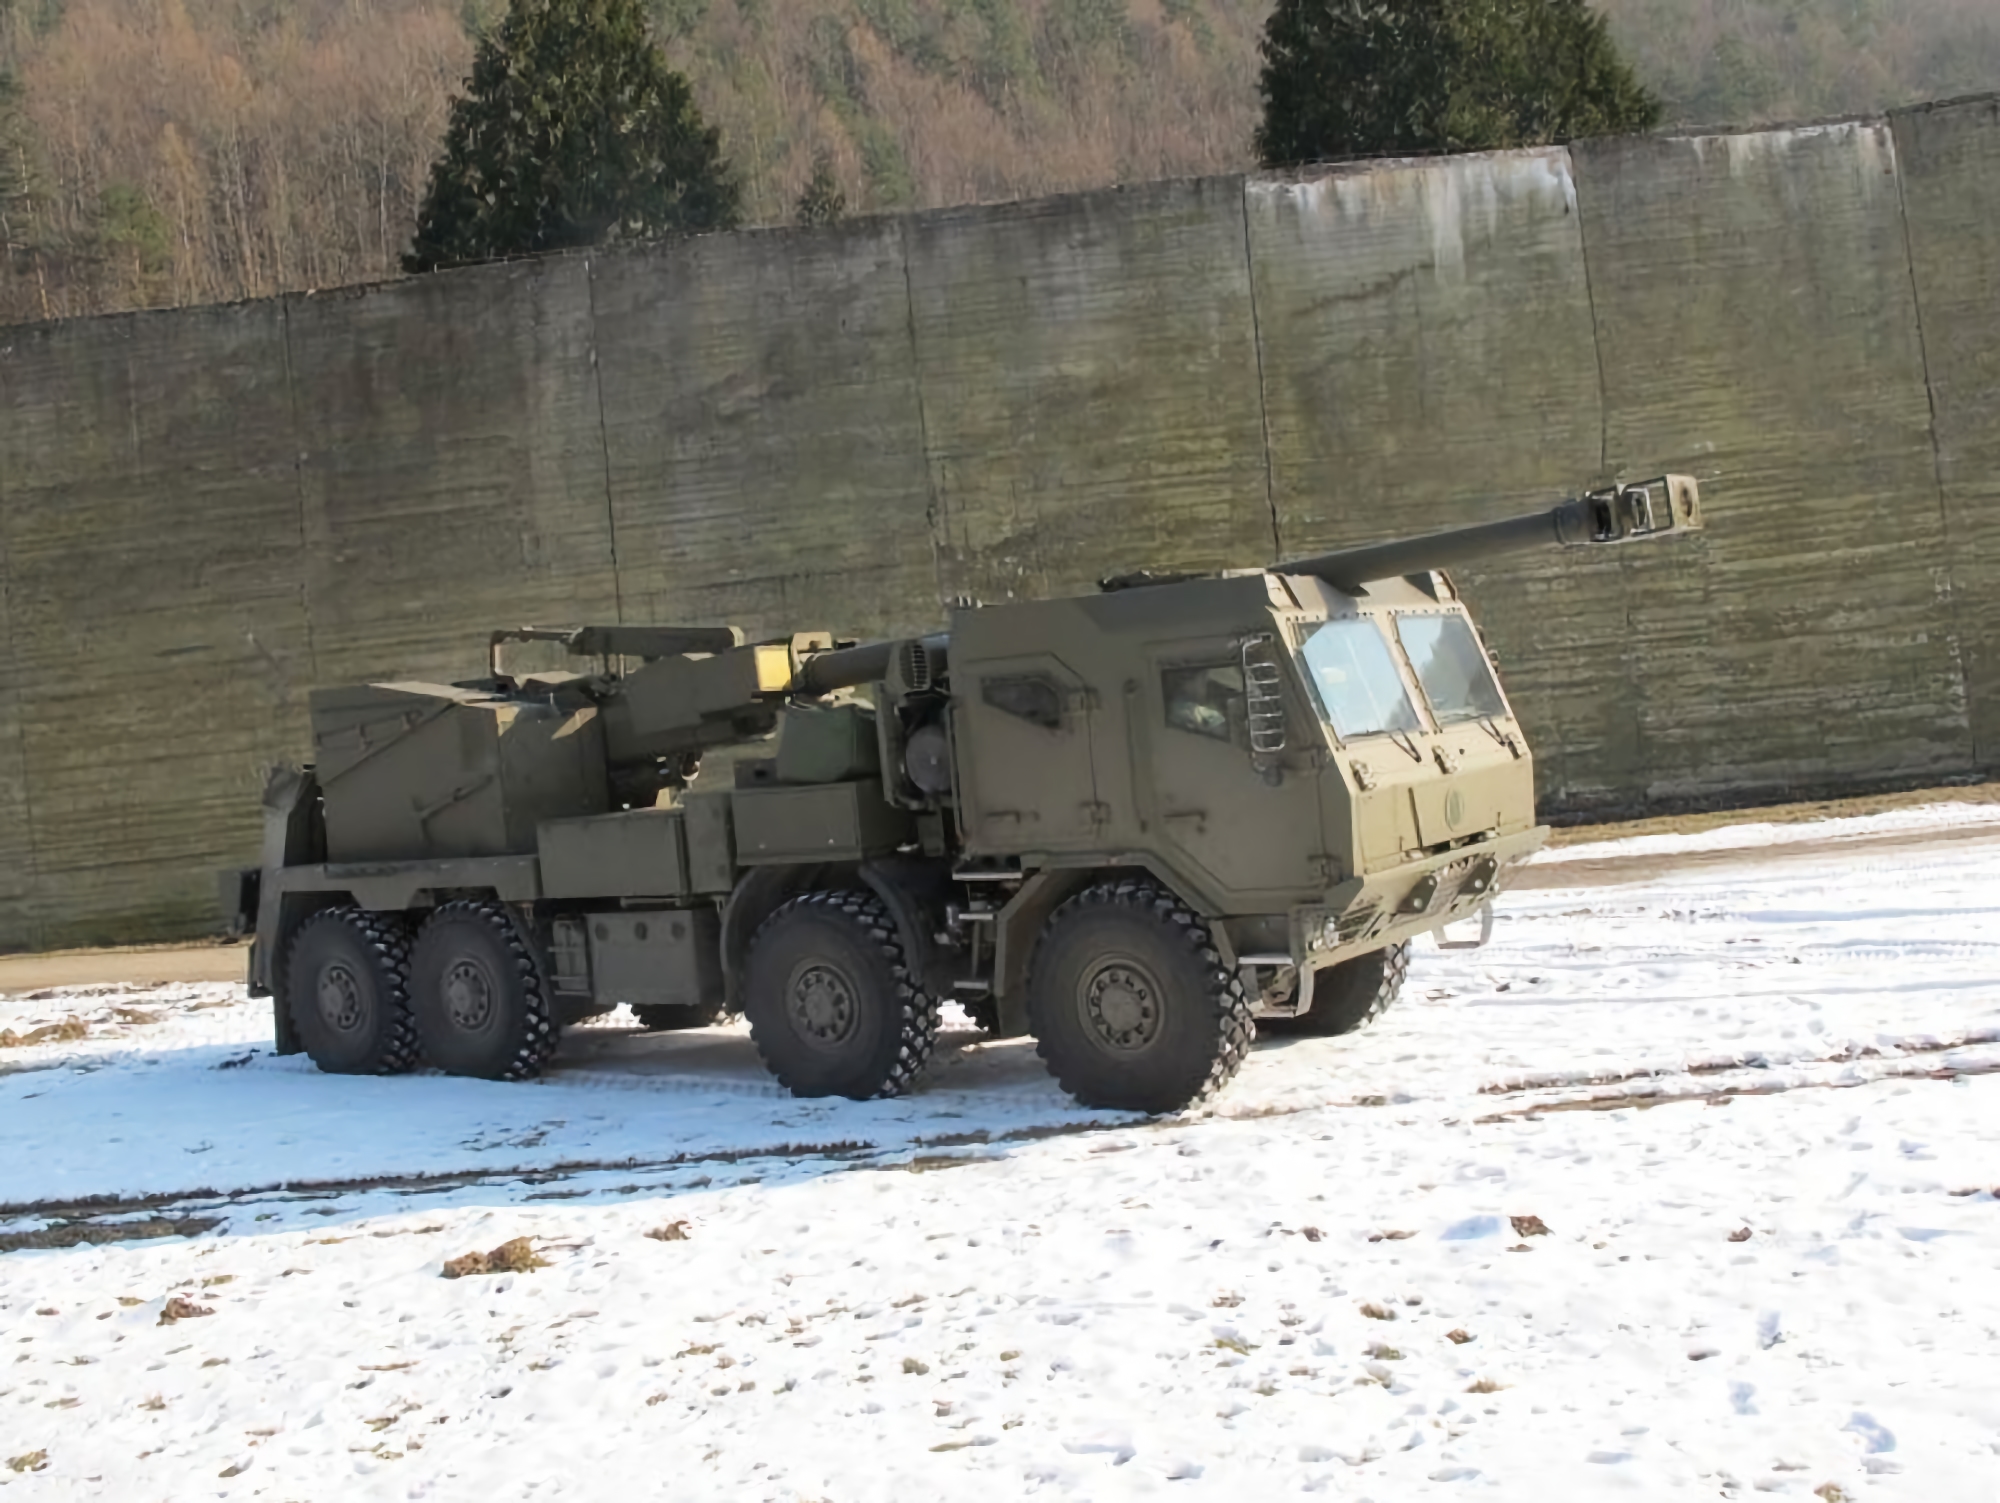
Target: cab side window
1206, 700
1028, 696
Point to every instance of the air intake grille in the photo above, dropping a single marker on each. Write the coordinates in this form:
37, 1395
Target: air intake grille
915, 667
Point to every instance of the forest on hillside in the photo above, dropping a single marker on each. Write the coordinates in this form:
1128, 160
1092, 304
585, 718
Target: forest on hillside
158, 152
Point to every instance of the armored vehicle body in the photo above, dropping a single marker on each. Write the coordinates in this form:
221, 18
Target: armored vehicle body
1136, 825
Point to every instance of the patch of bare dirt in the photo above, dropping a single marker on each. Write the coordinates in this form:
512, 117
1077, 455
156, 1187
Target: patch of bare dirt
68, 1031
77, 1233
516, 1256
1778, 814
178, 1309
1614, 870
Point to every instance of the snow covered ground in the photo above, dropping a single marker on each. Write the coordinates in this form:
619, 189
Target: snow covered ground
1683, 1186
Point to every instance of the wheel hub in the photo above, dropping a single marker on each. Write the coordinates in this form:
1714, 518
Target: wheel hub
339, 998
822, 1005
1121, 1003
468, 995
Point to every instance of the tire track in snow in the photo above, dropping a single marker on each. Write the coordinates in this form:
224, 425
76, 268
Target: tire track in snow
90, 1219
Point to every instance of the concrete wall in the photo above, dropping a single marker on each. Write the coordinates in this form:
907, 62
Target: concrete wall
1756, 319
1948, 160
158, 652
1088, 372
203, 513
450, 467
764, 432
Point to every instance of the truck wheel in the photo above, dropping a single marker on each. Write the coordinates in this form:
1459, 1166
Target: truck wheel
1132, 1007
346, 980
834, 1009
1350, 995
481, 1005
669, 1018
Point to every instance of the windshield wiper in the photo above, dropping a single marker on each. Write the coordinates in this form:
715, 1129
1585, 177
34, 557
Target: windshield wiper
1492, 729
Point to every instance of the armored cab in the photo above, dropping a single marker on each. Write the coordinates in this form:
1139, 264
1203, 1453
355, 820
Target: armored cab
1136, 825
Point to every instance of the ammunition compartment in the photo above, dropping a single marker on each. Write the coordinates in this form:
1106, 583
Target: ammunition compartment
827, 744
833, 822
663, 957
411, 771
640, 853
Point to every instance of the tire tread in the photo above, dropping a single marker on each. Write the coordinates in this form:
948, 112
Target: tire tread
1325, 1021
386, 938
540, 1032
917, 1021
1235, 1026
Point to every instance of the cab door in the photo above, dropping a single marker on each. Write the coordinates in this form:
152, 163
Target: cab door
1250, 831
1022, 730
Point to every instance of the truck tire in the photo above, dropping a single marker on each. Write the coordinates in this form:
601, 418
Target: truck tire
670, 1018
481, 1004
1348, 996
1131, 1005
834, 1008
347, 990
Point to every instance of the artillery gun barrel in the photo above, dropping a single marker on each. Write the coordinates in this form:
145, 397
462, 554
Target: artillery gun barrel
1621, 514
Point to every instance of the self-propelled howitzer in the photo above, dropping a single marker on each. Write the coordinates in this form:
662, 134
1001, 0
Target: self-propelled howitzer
1137, 825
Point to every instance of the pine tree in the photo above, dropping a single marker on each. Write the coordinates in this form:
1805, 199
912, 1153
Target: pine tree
1384, 77
821, 201
13, 175
573, 131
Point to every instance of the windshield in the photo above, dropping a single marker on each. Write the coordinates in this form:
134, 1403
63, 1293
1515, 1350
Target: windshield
1454, 672
1348, 663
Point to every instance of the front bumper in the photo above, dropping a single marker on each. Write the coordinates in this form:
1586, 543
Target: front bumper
1385, 908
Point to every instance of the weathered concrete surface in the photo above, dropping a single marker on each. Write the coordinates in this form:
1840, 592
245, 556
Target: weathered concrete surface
765, 441
17, 929
451, 460
1428, 360
1757, 327
1089, 376
158, 642
1950, 162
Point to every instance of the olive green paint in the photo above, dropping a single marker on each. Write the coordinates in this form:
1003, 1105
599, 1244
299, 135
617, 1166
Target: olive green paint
204, 513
